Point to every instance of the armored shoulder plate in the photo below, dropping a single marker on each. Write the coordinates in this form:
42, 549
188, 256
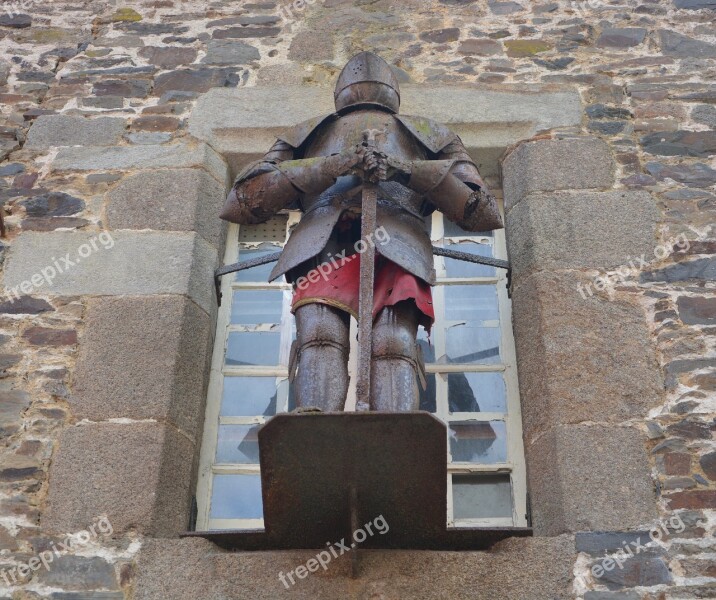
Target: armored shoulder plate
434, 136
296, 136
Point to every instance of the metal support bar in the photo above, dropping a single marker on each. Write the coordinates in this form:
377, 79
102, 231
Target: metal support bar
241, 266
264, 260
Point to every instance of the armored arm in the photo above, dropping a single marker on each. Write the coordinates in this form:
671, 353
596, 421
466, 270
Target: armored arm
453, 184
277, 180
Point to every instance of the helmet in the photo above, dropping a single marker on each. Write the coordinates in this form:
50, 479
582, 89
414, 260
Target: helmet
367, 79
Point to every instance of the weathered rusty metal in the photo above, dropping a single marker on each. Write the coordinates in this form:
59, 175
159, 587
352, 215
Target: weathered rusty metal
367, 79
241, 266
396, 463
369, 212
395, 363
326, 168
321, 362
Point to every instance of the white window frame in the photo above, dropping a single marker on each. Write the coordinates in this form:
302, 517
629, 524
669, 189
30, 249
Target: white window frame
515, 464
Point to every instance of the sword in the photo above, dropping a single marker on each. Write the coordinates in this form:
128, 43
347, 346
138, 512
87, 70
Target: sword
369, 206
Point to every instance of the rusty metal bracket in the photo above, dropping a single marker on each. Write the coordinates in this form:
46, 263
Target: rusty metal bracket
352, 468
241, 266
479, 260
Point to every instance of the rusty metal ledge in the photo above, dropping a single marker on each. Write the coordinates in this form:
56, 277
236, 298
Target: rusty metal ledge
393, 465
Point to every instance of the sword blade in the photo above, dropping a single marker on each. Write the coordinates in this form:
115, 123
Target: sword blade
365, 298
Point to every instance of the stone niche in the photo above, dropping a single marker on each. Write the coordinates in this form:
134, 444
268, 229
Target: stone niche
574, 354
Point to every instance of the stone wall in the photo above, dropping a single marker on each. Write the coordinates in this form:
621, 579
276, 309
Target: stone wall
108, 154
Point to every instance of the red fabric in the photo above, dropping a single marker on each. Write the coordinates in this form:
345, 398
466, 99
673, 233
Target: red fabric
337, 283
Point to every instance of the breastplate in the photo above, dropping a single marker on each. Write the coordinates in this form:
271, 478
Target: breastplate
345, 134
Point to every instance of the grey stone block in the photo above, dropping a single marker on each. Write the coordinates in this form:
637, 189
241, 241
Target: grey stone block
575, 230
193, 568
137, 263
177, 156
581, 359
79, 572
169, 200
229, 52
62, 130
144, 358
488, 121
549, 165
139, 475
589, 478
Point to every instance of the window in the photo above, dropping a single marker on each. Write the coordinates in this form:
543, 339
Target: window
472, 381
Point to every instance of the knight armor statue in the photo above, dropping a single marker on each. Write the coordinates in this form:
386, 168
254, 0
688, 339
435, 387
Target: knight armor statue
319, 166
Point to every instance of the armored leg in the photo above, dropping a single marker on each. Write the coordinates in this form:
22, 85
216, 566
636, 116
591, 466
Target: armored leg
394, 367
322, 356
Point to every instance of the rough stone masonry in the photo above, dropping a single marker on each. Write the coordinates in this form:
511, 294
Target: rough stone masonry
94, 137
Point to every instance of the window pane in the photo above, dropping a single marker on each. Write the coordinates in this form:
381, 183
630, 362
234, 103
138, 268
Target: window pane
484, 443
477, 392
481, 497
256, 274
471, 303
236, 497
427, 395
238, 444
254, 307
249, 397
453, 230
461, 268
472, 345
253, 348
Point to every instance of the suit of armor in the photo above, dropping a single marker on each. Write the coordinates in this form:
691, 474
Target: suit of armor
319, 167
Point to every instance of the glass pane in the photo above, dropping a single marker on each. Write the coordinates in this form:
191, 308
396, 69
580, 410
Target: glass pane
472, 345
249, 397
256, 274
453, 230
236, 497
238, 444
460, 268
471, 303
253, 348
481, 497
427, 396
477, 392
291, 399
254, 307
484, 443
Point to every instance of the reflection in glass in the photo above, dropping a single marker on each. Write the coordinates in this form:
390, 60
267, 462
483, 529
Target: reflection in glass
254, 307
484, 443
460, 268
477, 392
453, 230
256, 274
481, 496
472, 345
249, 397
236, 497
471, 303
428, 395
253, 348
238, 444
